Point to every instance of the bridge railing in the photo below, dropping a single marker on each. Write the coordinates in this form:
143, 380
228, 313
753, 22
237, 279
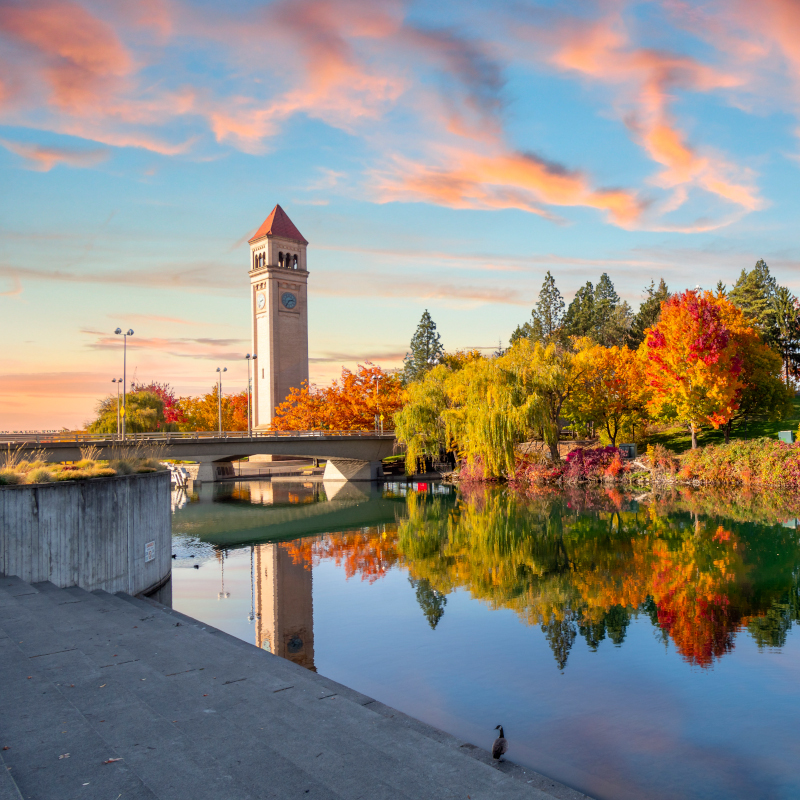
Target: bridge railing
176, 436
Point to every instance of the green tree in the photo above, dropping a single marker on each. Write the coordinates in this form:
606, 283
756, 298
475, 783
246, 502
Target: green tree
144, 414
580, 317
426, 350
612, 319
547, 318
754, 293
787, 329
649, 311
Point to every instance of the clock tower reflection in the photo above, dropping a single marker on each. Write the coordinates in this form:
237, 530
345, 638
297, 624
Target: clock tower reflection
284, 608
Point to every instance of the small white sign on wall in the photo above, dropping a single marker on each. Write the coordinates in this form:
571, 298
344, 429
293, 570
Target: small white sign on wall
150, 552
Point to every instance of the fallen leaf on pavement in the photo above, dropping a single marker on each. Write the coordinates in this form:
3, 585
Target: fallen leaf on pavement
66, 755
112, 760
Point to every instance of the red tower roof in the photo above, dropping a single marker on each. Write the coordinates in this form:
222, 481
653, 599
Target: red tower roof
279, 224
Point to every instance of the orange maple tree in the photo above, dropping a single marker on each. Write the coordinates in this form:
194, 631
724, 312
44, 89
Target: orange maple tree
612, 390
349, 404
693, 361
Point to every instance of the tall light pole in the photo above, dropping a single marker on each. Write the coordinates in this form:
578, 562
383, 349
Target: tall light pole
377, 379
249, 390
125, 336
118, 381
219, 395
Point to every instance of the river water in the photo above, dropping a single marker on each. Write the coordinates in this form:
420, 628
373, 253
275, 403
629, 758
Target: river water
632, 647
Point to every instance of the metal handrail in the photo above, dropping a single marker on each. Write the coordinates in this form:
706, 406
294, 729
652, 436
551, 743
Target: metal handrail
170, 436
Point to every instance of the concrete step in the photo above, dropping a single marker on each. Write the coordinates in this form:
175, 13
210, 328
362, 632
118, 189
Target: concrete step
193, 712
8, 786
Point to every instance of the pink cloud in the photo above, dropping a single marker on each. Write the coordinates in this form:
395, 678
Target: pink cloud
43, 159
646, 79
505, 179
81, 54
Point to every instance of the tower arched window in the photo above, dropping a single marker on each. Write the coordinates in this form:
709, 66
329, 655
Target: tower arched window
294, 262
280, 259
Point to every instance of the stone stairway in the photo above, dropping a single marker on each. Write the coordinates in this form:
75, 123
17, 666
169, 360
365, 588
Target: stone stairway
113, 697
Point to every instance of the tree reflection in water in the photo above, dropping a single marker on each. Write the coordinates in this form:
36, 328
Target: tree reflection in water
701, 566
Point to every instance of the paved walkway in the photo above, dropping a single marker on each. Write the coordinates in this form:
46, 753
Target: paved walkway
115, 698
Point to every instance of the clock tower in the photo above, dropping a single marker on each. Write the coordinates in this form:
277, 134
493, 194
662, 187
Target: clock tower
278, 280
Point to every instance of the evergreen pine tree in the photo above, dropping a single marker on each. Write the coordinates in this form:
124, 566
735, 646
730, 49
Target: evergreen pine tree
606, 300
649, 311
787, 330
524, 331
548, 316
426, 349
579, 319
754, 293
430, 601
722, 289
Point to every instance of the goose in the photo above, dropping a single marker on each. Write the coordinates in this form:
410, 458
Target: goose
500, 745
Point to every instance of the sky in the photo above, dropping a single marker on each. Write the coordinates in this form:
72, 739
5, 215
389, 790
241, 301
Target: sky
436, 156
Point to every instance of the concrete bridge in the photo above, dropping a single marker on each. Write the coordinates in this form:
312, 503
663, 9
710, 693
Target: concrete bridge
349, 455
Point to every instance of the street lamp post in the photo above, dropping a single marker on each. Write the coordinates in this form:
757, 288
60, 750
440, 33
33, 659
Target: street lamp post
118, 381
219, 395
125, 336
249, 390
377, 379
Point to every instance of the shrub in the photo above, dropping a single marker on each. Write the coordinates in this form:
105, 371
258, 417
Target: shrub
39, 475
122, 466
591, 464
8, 477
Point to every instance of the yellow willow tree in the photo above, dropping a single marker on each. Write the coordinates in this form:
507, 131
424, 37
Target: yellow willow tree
547, 376
482, 408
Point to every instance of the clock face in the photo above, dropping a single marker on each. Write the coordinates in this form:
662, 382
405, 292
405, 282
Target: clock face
261, 301
288, 300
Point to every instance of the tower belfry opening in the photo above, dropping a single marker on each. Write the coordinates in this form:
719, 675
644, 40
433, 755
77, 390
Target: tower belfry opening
278, 296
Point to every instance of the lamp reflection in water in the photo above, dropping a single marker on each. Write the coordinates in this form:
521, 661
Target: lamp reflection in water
285, 617
222, 594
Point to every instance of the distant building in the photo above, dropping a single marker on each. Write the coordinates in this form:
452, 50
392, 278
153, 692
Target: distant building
278, 282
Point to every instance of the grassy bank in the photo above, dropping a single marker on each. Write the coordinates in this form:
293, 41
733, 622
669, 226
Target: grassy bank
36, 469
678, 439
754, 462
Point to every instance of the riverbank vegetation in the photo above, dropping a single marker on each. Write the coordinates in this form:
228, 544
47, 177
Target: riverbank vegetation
691, 362
35, 468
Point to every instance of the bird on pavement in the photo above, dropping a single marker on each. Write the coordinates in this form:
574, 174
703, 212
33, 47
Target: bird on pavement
500, 745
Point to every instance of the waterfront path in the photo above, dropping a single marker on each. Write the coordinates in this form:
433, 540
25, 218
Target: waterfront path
116, 698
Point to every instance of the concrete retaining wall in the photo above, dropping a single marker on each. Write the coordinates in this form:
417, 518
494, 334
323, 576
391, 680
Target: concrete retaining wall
93, 533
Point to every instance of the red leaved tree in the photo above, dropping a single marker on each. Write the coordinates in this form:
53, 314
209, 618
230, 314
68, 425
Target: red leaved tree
692, 362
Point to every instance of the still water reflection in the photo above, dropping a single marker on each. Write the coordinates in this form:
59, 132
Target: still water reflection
631, 647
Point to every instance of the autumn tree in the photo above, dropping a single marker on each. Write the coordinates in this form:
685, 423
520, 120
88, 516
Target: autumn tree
202, 413
547, 377
353, 402
693, 366
611, 389
173, 414
426, 349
